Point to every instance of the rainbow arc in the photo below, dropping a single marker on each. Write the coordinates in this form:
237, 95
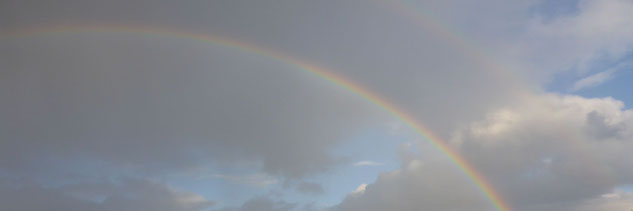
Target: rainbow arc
460, 162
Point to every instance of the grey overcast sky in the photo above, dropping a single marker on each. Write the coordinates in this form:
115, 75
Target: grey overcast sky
145, 105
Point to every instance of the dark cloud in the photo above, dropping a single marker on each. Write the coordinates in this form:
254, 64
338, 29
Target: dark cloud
598, 126
129, 194
160, 103
263, 203
131, 102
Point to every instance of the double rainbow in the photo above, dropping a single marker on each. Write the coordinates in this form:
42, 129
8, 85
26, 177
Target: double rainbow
478, 180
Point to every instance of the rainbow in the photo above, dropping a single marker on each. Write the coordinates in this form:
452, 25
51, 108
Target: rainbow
425, 20
462, 164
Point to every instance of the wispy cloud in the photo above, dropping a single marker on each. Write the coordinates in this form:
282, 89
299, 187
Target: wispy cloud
599, 78
593, 80
367, 163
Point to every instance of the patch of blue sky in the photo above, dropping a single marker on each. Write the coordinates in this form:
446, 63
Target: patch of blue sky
618, 84
619, 87
215, 184
551, 9
378, 144
625, 188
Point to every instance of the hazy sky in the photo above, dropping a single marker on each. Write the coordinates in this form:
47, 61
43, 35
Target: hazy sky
132, 105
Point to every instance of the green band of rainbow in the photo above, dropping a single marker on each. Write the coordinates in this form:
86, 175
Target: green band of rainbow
459, 161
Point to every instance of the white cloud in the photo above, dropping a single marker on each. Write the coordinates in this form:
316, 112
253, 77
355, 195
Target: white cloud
359, 190
593, 80
601, 77
609, 202
545, 152
367, 163
600, 30
538, 45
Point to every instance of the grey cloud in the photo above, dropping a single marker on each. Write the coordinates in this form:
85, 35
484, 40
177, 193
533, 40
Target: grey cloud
130, 194
131, 102
263, 203
161, 103
598, 126
612, 201
417, 185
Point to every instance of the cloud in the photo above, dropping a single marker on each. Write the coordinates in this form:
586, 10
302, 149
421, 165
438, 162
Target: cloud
616, 200
599, 32
612, 201
583, 140
541, 39
263, 203
359, 190
130, 194
159, 105
168, 111
418, 184
601, 77
593, 80
541, 153
367, 163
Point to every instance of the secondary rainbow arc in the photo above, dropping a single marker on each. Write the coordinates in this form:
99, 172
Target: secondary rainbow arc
460, 162
426, 20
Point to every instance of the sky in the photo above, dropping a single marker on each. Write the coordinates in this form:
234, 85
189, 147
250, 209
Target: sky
224, 105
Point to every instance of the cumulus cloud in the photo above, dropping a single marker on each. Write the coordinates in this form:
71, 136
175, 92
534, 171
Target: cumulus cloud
557, 148
418, 184
359, 190
541, 154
